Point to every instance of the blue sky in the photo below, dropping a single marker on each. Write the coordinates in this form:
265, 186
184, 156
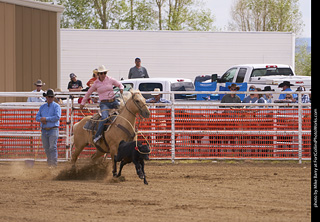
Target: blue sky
221, 11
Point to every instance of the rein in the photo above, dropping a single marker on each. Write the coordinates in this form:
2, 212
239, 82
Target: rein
135, 103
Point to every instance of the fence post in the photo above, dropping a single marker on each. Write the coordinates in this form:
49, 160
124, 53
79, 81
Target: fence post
71, 122
300, 126
173, 150
68, 148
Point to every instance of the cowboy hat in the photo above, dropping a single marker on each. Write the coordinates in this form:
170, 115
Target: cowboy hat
102, 68
156, 90
49, 92
39, 83
234, 85
267, 88
285, 83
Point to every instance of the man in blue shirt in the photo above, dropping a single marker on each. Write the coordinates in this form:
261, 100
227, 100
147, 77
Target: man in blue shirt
252, 98
157, 98
286, 87
49, 117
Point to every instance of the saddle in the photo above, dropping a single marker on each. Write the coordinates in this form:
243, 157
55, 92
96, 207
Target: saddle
92, 124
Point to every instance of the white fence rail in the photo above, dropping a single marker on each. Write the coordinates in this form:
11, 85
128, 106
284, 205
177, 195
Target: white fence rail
183, 129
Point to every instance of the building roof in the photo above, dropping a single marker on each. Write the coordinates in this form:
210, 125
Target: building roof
38, 5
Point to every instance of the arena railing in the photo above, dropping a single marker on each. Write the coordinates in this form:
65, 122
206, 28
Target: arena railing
179, 130
20, 134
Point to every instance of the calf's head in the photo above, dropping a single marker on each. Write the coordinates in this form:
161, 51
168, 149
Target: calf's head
144, 151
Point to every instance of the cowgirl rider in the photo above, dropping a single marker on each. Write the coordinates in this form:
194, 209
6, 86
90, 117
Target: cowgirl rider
104, 86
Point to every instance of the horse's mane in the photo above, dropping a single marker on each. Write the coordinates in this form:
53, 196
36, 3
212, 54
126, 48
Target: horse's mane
126, 96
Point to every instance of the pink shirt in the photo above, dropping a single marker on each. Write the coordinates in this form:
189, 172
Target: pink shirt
104, 89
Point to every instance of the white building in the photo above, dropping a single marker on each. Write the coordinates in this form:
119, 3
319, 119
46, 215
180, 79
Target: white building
169, 53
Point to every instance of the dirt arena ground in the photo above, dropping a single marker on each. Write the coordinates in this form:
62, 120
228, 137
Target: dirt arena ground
184, 191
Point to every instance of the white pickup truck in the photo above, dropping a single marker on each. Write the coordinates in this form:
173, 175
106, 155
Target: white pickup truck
164, 84
262, 75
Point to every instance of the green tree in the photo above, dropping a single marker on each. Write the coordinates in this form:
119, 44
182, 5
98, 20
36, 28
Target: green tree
159, 5
112, 14
78, 14
200, 20
266, 15
145, 16
189, 15
303, 61
136, 14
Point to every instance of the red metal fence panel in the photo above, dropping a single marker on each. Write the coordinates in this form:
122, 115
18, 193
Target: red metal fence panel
228, 133
191, 133
20, 135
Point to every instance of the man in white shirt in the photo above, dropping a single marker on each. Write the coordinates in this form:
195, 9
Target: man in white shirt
39, 85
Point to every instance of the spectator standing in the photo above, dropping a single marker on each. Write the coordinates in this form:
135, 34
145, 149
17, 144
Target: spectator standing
260, 99
286, 88
289, 98
49, 116
94, 78
74, 84
252, 98
305, 97
39, 85
157, 97
231, 98
138, 71
268, 97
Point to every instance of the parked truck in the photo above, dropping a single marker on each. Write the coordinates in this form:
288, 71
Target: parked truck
262, 75
164, 84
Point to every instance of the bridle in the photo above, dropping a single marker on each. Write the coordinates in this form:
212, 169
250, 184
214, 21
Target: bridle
136, 104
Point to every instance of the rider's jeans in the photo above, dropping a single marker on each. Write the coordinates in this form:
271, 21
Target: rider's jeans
104, 109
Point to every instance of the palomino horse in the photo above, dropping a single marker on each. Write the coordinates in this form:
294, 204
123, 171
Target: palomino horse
122, 128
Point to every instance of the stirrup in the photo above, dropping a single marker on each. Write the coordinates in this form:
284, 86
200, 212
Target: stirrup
95, 140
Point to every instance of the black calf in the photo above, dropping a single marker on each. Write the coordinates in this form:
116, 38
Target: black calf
128, 152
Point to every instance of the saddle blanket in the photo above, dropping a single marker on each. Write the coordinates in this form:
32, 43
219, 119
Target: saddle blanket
93, 122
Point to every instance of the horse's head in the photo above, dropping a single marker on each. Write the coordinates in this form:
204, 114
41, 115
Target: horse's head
139, 104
